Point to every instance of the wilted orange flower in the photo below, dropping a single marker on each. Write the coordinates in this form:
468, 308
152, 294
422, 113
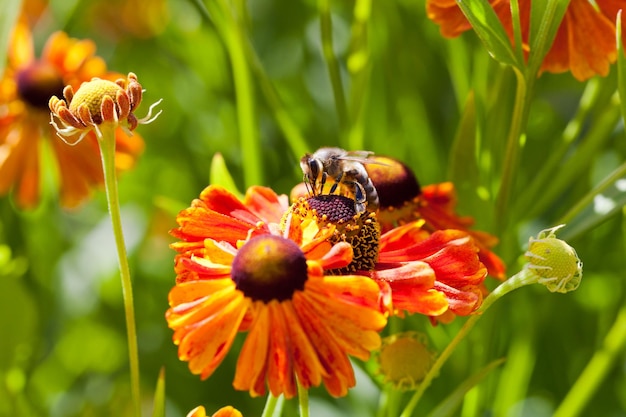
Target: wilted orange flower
27, 85
403, 200
584, 43
98, 104
237, 272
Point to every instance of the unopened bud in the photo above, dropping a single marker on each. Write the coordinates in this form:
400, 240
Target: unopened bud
554, 261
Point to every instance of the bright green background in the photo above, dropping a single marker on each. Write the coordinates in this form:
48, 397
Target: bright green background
62, 331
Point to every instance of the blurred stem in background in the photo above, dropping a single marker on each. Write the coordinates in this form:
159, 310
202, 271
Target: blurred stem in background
359, 68
232, 29
334, 71
596, 370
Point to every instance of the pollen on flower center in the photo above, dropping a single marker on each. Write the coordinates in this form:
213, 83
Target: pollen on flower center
269, 268
37, 83
91, 94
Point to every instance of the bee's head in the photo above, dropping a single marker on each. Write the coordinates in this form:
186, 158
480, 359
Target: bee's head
311, 167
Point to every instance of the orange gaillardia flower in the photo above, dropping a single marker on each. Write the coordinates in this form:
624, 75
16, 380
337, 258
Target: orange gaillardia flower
236, 271
584, 43
25, 88
403, 200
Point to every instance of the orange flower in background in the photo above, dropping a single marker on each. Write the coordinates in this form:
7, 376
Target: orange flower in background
27, 85
584, 43
120, 19
403, 200
227, 411
300, 323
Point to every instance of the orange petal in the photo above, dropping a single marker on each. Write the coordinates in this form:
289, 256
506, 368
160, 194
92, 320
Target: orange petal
338, 256
307, 364
353, 328
281, 378
227, 411
430, 302
266, 204
252, 364
461, 301
204, 268
197, 223
584, 44
204, 343
338, 370
191, 291
219, 199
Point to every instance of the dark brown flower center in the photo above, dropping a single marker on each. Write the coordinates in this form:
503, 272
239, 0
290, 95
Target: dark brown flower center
269, 268
335, 207
38, 82
395, 182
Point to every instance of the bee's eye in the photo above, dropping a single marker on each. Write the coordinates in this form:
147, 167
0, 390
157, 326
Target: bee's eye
314, 166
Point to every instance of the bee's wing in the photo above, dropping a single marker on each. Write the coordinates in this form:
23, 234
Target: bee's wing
362, 157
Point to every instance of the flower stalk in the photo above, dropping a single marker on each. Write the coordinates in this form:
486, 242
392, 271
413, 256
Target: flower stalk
107, 150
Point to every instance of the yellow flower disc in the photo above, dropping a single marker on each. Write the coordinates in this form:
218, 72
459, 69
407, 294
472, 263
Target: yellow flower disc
91, 94
404, 359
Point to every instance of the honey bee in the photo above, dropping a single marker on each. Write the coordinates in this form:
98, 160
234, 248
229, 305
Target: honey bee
346, 170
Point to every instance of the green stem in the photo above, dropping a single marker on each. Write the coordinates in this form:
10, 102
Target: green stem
588, 198
291, 131
107, 151
326, 28
270, 405
234, 36
524, 277
554, 160
596, 370
511, 157
359, 67
303, 401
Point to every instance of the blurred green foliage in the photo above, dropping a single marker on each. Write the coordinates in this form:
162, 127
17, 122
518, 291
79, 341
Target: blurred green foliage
442, 106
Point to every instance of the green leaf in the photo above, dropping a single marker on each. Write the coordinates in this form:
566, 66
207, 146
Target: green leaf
9, 10
463, 168
448, 406
220, 175
485, 22
158, 409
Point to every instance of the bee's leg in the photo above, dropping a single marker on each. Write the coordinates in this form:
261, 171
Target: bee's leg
322, 182
359, 193
336, 184
360, 197
307, 185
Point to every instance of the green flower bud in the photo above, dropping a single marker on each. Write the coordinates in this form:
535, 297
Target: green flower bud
554, 262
